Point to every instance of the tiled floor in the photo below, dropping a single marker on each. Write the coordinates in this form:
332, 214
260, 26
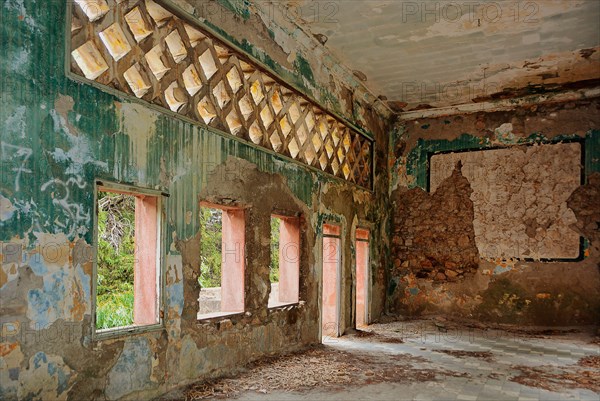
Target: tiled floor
485, 379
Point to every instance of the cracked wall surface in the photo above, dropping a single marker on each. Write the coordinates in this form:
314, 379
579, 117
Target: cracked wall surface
59, 136
519, 198
555, 142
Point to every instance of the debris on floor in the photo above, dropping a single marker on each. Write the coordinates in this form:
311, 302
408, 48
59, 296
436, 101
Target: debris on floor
318, 367
414, 359
485, 355
590, 361
374, 336
527, 331
539, 332
441, 327
585, 374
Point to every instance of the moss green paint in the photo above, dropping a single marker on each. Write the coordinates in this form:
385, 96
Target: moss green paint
238, 7
303, 68
592, 152
69, 152
417, 158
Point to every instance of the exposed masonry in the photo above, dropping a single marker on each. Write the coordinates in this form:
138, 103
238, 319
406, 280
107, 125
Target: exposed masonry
433, 234
142, 49
466, 213
519, 198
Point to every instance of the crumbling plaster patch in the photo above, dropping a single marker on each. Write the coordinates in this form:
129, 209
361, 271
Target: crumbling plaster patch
46, 378
506, 290
11, 359
519, 197
132, 371
7, 209
433, 235
66, 290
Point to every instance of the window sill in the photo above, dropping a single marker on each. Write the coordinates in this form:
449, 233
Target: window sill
116, 332
211, 317
283, 305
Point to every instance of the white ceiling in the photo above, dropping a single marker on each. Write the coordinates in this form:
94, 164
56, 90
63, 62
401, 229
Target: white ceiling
457, 53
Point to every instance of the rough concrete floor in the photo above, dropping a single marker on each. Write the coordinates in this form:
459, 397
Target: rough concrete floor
442, 361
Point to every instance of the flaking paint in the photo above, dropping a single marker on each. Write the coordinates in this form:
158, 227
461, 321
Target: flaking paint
59, 136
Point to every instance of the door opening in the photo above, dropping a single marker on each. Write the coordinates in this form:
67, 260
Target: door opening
330, 297
362, 277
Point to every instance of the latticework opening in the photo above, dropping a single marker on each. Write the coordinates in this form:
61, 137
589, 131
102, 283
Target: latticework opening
191, 80
155, 62
136, 80
275, 142
115, 41
176, 46
143, 49
208, 64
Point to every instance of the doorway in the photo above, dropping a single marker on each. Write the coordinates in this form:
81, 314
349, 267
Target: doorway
330, 296
362, 277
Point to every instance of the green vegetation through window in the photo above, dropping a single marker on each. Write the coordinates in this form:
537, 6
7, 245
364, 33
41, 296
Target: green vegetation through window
211, 235
116, 245
128, 259
274, 267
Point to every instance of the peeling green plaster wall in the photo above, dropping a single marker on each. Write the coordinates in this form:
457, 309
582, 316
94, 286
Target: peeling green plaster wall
85, 133
57, 137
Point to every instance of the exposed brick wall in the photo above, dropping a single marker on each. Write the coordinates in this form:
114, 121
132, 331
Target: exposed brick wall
584, 202
427, 228
433, 234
